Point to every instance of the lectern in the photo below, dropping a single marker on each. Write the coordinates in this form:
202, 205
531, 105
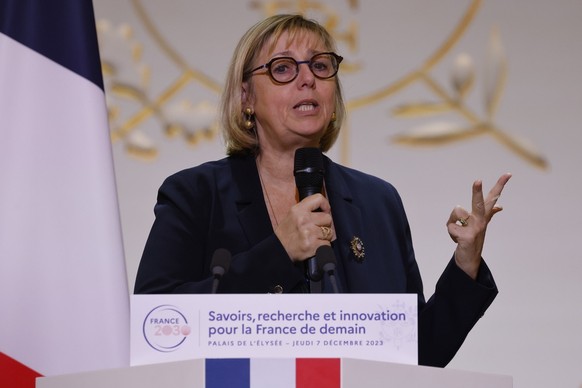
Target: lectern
275, 341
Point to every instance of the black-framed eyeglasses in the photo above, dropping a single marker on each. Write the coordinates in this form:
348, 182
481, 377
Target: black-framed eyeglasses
285, 69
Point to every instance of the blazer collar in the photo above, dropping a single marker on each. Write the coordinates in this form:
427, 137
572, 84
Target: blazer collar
252, 210
347, 217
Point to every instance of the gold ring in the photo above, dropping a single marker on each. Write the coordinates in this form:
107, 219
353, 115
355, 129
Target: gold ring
326, 231
463, 221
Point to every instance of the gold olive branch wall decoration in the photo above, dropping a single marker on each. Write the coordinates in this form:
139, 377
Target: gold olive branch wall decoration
462, 81
194, 122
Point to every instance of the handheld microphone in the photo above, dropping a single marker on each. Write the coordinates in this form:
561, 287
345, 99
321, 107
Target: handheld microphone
308, 171
219, 266
326, 259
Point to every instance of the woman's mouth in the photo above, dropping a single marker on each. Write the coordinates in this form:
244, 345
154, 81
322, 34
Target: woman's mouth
305, 106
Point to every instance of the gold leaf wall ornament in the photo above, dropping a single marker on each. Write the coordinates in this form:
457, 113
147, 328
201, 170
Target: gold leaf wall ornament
463, 75
455, 101
417, 109
437, 133
140, 146
495, 73
417, 75
129, 97
126, 79
462, 78
496, 70
195, 122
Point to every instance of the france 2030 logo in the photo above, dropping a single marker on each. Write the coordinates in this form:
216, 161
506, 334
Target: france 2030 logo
165, 328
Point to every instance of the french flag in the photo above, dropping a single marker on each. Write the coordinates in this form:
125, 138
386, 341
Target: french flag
64, 298
269, 373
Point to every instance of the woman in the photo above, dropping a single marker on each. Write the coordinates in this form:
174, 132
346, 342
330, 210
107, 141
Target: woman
282, 93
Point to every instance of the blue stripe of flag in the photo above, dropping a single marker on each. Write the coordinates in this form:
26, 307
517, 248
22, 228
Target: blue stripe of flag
62, 29
228, 372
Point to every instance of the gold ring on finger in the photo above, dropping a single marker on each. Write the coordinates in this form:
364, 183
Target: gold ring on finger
326, 231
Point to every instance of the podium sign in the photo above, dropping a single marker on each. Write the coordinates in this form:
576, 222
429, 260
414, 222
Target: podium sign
379, 327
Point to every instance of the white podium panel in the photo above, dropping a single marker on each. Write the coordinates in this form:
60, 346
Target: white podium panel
270, 373
383, 374
180, 374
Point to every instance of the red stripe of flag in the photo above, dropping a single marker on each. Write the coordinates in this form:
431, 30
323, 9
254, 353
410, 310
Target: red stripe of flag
16, 375
318, 372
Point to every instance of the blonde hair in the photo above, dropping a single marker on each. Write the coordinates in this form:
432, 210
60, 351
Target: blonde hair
238, 138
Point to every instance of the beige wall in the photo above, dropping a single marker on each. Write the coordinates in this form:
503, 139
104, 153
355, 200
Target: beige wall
532, 330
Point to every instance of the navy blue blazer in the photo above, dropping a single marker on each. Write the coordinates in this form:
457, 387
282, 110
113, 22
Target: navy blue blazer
220, 204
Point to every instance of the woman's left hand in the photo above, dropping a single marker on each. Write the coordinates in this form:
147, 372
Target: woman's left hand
468, 229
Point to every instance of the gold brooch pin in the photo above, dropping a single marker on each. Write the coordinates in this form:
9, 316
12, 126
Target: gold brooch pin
357, 248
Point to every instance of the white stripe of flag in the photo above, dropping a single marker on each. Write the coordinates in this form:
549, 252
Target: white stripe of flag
63, 286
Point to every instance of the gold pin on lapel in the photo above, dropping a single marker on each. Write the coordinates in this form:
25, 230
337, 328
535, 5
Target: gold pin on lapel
357, 248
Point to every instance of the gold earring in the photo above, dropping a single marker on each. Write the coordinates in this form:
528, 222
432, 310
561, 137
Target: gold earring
333, 118
249, 122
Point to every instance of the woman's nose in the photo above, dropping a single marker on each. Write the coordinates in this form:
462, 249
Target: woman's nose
305, 75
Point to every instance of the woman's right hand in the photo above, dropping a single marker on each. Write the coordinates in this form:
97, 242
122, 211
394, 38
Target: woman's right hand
306, 227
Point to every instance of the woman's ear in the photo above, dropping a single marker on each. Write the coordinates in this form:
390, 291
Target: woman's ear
245, 95
243, 92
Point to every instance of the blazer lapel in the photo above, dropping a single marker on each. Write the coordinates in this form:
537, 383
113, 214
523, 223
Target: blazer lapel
348, 224
248, 197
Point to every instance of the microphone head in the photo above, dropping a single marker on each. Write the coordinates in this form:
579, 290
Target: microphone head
220, 261
325, 258
308, 170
